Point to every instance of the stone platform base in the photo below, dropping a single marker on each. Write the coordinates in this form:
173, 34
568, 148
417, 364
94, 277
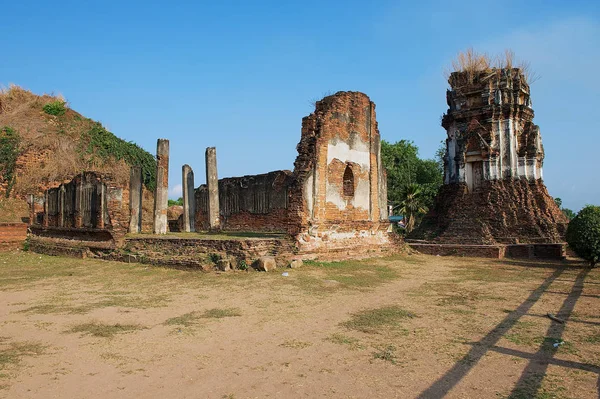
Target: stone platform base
202, 252
499, 251
198, 250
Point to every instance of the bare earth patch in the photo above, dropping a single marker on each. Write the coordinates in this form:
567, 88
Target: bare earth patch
407, 326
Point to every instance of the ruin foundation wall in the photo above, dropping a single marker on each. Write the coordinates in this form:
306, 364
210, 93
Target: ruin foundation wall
508, 212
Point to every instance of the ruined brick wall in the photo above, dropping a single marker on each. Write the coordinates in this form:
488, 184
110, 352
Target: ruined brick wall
339, 193
249, 203
335, 201
12, 235
493, 190
83, 206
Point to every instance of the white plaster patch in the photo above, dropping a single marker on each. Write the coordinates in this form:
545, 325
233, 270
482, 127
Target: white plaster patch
361, 195
340, 150
334, 196
308, 193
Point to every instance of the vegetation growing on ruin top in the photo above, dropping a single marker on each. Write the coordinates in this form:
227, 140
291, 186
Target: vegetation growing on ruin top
57, 143
471, 63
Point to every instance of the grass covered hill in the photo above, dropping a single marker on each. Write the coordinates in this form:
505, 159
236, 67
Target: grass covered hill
44, 142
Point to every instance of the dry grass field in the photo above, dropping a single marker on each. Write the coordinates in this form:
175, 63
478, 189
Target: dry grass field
404, 326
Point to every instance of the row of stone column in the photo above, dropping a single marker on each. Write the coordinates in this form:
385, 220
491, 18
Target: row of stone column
161, 193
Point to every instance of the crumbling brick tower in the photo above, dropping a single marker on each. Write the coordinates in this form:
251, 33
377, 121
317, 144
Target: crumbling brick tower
339, 197
493, 190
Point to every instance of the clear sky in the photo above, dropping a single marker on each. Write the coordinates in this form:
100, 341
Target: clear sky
240, 75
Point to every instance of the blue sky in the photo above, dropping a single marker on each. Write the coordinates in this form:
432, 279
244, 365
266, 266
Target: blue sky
240, 75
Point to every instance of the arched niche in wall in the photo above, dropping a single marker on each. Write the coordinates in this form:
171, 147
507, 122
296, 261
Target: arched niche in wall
348, 182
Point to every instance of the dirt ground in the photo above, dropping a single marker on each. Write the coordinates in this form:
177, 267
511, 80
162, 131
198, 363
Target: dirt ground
405, 326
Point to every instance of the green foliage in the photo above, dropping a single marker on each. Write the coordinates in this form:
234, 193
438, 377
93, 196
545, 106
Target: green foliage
55, 108
583, 234
412, 205
214, 258
243, 265
9, 152
404, 167
179, 201
558, 202
103, 144
566, 211
413, 183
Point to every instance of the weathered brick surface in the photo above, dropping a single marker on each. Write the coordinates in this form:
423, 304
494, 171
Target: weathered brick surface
12, 235
190, 252
249, 203
513, 211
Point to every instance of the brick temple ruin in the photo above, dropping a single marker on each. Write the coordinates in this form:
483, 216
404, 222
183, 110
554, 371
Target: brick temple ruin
333, 205
493, 193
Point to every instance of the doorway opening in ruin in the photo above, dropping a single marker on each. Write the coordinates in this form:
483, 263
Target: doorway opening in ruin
474, 175
348, 182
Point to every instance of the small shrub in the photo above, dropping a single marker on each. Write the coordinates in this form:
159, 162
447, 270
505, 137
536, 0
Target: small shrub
214, 258
583, 234
243, 265
55, 108
26, 244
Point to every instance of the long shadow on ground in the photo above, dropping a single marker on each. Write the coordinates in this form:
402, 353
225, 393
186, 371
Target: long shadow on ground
535, 371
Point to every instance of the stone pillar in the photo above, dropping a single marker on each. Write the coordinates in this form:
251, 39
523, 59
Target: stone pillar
101, 195
161, 193
31, 202
135, 199
78, 223
45, 221
212, 183
189, 208
61, 206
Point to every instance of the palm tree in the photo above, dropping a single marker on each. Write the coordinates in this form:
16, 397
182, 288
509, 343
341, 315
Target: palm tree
411, 205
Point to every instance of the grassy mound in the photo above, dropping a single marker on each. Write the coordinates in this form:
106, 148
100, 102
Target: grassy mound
56, 143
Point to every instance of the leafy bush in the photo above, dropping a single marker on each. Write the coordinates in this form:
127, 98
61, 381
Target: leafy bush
9, 152
179, 202
583, 234
55, 108
104, 144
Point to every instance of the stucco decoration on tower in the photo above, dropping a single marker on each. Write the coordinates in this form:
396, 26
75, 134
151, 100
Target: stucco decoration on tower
493, 188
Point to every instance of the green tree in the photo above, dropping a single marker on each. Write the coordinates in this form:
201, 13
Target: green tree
412, 205
404, 167
566, 211
583, 234
558, 202
569, 213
